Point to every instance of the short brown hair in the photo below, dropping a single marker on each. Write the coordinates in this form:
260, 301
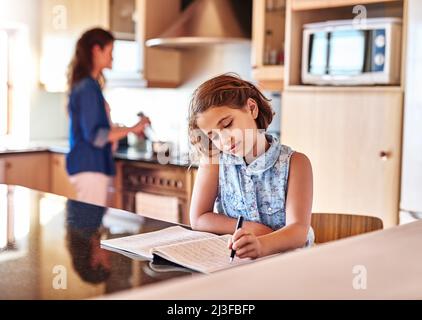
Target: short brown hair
231, 91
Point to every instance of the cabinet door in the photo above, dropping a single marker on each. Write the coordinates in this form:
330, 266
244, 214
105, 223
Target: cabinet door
162, 67
353, 140
28, 170
268, 29
63, 21
60, 184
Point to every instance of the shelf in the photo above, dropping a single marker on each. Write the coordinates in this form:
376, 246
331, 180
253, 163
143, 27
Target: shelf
269, 72
269, 77
310, 88
300, 5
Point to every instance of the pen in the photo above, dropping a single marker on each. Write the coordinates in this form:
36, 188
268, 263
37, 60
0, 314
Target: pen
238, 226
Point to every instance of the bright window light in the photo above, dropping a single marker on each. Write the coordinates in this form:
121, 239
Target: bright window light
4, 67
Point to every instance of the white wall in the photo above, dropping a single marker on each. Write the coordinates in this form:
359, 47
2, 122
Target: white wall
39, 115
412, 143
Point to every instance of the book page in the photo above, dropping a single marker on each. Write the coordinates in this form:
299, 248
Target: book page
142, 244
205, 255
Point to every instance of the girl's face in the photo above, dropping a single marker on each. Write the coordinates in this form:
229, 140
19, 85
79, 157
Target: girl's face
232, 131
103, 58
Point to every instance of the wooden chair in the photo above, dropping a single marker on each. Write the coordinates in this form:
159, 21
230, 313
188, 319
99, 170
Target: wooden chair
334, 226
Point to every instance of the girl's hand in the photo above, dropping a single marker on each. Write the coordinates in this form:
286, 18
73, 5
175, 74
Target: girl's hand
246, 244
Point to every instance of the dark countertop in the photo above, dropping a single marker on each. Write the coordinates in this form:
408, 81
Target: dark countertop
124, 153
50, 248
132, 154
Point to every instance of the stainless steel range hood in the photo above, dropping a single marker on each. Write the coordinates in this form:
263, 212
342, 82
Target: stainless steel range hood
204, 22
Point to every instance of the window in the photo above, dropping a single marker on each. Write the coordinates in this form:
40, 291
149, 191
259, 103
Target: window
4, 84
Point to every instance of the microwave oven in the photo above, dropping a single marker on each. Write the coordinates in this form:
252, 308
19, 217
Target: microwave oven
344, 52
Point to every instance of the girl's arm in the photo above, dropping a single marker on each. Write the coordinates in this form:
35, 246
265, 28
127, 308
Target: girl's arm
202, 216
298, 216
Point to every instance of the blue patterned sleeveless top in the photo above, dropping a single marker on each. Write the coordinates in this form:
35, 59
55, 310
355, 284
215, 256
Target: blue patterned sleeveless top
257, 191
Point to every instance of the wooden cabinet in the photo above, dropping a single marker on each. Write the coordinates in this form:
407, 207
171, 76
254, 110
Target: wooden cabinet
352, 135
353, 139
60, 183
162, 67
63, 22
31, 170
268, 30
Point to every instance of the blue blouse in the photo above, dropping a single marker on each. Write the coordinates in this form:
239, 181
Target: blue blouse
90, 150
257, 191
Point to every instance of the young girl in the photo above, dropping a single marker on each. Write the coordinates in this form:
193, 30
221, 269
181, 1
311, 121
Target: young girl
247, 172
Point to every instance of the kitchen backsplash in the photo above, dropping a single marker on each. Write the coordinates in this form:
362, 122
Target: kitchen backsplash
167, 109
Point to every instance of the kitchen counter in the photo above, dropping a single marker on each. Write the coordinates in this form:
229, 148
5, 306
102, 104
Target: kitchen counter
48, 245
380, 265
125, 153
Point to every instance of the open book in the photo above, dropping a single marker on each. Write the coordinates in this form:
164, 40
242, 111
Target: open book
200, 251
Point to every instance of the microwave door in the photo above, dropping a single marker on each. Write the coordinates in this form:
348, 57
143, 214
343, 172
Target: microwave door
315, 57
347, 51
318, 53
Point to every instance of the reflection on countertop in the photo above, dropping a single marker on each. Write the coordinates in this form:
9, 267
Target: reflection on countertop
50, 248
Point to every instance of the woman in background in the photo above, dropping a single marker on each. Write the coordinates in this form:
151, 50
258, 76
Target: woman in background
90, 162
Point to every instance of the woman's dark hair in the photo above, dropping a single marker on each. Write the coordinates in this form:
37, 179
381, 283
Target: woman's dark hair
82, 64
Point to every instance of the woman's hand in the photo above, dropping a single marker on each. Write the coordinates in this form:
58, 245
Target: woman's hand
246, 244
114, 146
140, 126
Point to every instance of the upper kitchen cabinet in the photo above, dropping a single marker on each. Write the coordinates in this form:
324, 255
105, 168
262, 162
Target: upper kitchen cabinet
131, 21
268, 29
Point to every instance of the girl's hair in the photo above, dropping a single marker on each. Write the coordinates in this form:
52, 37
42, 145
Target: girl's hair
226, 90
82, 62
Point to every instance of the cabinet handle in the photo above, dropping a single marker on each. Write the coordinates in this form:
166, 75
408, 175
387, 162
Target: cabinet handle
384, 155
8, 165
